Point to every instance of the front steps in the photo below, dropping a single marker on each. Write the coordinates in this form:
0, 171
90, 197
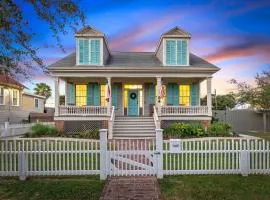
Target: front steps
133, 127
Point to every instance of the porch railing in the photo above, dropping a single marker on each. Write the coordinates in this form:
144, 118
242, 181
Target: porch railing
184, 110
83, 111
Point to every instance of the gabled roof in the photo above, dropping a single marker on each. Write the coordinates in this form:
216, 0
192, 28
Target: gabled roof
177, 32
33, 95
5, 79
89, 31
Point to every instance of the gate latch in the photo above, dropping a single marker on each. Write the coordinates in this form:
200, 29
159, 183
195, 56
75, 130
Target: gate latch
157, 153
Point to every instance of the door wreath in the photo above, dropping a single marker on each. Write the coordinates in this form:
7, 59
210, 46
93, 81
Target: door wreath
133, 95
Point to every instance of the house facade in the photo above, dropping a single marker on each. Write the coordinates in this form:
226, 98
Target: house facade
131, 93
15, 104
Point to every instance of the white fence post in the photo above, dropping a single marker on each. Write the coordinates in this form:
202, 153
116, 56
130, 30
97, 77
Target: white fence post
244, 159
159, 153
103, 151
22, 165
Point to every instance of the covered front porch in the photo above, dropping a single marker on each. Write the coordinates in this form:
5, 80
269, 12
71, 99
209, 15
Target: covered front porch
88, 98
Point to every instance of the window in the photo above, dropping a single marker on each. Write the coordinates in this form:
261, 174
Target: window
103, 95
15, 97
2, 96
176, 52
36, 103
184, 95
89, 52
81, 95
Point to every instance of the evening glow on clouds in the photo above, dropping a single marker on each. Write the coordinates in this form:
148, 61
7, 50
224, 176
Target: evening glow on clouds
235, 36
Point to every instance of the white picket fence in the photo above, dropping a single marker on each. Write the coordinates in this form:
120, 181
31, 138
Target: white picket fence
49, 156
11, 130
218, 156
69, 156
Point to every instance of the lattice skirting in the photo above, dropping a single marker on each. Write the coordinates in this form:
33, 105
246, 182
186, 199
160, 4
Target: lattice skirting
80, 126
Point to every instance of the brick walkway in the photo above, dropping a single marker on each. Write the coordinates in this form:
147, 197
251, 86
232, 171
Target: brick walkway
131, 188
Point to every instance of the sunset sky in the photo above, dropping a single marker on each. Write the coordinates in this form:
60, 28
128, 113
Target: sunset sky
234, 35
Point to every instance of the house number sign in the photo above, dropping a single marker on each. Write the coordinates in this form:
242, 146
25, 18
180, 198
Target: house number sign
175, 146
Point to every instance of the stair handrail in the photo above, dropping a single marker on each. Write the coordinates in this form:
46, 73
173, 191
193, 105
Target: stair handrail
111, 122
156, 120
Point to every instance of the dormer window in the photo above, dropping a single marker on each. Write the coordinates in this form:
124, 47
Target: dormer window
176, 52
89, 51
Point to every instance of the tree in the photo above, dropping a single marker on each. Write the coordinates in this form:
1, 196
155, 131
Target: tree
17, 52
221, 102
43, 89
258, 96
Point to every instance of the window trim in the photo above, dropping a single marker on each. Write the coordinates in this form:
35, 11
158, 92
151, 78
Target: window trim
18, 100
165, 53
3, 96
89, 48
35, 103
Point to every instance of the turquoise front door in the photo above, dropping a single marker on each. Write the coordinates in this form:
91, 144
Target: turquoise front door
133, 99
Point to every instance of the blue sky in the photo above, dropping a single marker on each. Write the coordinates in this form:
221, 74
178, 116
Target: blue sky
234, 35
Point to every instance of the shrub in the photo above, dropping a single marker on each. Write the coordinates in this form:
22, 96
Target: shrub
182, 130
89, 134
40, 130
219, 129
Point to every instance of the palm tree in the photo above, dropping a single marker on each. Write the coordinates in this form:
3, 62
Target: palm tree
43, 89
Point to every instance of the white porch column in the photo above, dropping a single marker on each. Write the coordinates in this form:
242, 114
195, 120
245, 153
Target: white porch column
109, 104
158, 95
56, 99
209, 95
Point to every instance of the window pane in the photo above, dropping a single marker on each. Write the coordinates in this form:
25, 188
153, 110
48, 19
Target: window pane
81, 95
103, 95
184, 98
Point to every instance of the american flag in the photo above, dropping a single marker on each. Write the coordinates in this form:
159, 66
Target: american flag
162, 91
108, 93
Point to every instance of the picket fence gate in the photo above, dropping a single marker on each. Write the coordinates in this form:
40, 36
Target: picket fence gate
69, 156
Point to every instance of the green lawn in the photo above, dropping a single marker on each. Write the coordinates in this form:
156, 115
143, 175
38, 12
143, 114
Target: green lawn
225, 187
265, 136
75, 187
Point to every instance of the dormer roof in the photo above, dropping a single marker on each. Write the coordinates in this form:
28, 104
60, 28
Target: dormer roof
88, 31
176, 32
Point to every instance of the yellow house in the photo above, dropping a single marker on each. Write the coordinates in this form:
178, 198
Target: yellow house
15, 104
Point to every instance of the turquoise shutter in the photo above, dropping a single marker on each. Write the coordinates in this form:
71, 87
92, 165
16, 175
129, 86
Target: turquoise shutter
96, 90
152, 94
95, 52
86, 51
71, 93
175, 94
172, 91
169, 92
81, 51
182, 52
170, 52
115, 96
194, 94
90, 94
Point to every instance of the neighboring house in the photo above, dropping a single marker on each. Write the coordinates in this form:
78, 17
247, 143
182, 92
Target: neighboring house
15, 105
146, 90
33, 103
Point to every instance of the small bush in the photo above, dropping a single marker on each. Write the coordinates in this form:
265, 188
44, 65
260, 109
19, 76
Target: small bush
183, 130
190, 130
219, 129
89, 134
40, 130
85, 134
